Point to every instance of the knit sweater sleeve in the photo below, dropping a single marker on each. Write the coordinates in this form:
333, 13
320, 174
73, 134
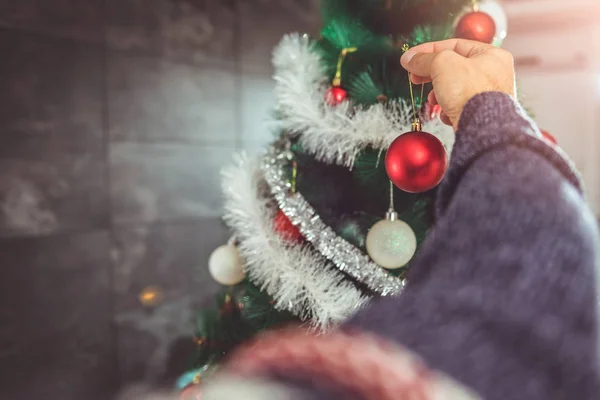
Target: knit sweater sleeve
502, 295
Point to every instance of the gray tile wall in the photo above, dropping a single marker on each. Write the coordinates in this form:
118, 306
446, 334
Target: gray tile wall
115, 118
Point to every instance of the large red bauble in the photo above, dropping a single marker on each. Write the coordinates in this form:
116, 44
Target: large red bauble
416, 162
284, 227
335, 95
548, 137
476, 25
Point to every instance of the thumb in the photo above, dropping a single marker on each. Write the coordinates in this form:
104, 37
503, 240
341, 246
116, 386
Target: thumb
419, 64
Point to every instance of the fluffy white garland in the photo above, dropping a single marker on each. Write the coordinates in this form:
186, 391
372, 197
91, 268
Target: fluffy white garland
297, 278
334, 134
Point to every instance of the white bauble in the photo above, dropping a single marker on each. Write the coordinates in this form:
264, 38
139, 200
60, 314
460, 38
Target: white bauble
496, 11
391, 244
226, 266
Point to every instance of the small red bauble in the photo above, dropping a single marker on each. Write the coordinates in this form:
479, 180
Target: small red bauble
335, 95
476, 25
548, 137
416, 162
284, 227
435, 112
430, 113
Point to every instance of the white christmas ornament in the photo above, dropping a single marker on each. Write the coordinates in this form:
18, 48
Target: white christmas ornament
496, 11
225, 265
391, 243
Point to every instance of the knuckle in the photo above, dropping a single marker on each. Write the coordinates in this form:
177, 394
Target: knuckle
442, 58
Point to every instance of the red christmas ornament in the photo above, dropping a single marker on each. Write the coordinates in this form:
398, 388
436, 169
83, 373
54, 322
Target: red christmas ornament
416, 162
284, 227
548, 137
335, 95
476, 25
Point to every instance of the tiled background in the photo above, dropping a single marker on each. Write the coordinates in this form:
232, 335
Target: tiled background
115, 118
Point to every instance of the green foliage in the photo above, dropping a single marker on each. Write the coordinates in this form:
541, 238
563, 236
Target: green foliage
363, 89
354, 228
258, 311
393, 17
419, 216
343, 33
374, 73
331, 9
428, 33
242, 311
380, 81
369, 171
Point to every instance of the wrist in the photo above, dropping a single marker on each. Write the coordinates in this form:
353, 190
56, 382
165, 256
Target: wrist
491, 120
476, 110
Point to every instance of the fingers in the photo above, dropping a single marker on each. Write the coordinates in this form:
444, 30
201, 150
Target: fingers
431, 99
419, 60
419, 80
445, 119
418, 64
465, 48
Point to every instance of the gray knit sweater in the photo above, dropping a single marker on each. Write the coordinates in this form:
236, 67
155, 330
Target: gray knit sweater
502, 294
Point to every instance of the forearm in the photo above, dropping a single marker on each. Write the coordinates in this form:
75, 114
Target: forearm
502, 294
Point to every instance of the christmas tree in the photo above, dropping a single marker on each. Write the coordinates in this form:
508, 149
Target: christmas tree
317, 226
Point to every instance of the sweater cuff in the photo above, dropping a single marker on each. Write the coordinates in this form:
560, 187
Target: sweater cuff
493, 120
363, 365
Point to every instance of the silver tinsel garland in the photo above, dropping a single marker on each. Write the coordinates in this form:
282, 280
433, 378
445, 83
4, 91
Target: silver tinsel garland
343, 255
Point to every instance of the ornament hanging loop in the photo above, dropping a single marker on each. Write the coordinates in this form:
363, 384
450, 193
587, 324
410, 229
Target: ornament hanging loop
337, 80
475, 4
391, 214
416, 125
294, 175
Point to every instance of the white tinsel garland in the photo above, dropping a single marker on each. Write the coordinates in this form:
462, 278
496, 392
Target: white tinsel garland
297, 277
334, 134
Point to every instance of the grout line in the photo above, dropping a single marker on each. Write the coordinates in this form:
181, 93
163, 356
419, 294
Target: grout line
109, 203
116, 226
224, 144
49, 34
182, 221
102, 45
239, 77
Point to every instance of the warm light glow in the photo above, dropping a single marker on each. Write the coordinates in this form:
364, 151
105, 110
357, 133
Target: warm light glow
150, 296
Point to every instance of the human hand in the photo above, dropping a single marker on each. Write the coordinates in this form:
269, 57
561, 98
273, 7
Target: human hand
459, 69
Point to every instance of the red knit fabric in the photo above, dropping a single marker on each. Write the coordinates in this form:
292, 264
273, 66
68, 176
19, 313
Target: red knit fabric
368, 366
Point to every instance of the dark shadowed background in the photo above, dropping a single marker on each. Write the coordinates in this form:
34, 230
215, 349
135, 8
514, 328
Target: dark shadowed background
115, 118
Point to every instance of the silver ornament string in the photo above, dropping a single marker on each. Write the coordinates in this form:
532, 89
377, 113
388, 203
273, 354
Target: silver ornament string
391, 196
391, 214
343, 255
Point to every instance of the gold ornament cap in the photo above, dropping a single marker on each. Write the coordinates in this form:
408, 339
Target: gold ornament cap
417, 126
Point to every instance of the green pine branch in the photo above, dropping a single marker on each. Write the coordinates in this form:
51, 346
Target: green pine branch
242, 311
